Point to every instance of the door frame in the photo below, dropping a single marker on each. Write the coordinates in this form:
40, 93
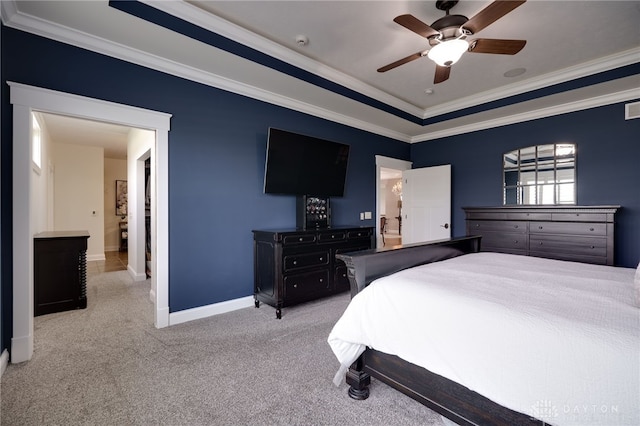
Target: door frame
26, 99
390, 163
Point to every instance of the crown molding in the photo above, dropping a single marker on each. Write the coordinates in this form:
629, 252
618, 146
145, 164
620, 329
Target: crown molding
227, 29
218, 25
582, 70
8, 9
534, 114
90, 42
15, 19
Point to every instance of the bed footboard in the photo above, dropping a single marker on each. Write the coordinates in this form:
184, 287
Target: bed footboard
368, 265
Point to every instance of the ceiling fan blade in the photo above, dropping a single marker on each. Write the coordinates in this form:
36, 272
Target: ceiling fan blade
401, 62
491, 14
498, 46
412, 23
442, 74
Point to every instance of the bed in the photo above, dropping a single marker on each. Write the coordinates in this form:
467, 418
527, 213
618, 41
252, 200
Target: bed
493, 339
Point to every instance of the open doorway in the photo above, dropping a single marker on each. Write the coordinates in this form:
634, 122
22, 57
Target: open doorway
27, 99
389, 200
390, 207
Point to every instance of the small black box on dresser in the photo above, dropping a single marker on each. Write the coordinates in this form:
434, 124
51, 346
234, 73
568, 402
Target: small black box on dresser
292, 266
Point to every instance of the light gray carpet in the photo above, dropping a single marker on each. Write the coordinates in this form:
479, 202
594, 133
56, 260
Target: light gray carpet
108, 365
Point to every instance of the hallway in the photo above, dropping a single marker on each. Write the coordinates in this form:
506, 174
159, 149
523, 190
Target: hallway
114, 261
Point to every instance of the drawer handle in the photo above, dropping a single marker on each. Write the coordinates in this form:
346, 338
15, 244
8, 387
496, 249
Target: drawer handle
539, 227
295, 262
540, 243
593, 247
295, 286
300, 239
320, 259
515, 226
477, 225
321, 280
591, 229
333, 236
515, 242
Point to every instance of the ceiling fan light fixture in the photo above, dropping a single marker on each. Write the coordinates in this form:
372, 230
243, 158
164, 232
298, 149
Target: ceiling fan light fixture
447, 53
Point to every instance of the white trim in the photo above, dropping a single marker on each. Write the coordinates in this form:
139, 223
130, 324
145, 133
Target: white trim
92, 43
137, 276
94, 257
393, 163
218, 25
534, 114
16, 19
193, 14
589, 68
4, 362
26, 99
210, 310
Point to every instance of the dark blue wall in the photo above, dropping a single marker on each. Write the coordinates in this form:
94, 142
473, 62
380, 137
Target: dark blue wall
217, 147
608, 165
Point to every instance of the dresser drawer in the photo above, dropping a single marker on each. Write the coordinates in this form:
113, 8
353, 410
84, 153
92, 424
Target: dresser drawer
580, 217
305, 286
306, 260
352, 235
528, 216
568, 244
481, 226
486, 215
331, 236
298, 239
569, 228
341, 279
505, 241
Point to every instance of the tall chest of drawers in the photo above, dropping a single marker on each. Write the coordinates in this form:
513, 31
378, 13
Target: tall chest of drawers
296, 265
577, 233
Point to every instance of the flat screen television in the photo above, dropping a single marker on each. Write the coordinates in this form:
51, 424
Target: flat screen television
303, 165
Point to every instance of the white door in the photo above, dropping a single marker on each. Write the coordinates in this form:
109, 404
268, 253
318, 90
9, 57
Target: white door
426, 204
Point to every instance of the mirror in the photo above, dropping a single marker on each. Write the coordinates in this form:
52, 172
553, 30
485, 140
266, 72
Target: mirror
541, 174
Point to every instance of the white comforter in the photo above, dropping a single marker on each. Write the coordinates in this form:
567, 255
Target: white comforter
559, 341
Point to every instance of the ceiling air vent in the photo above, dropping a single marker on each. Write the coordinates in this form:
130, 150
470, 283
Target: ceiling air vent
632, 111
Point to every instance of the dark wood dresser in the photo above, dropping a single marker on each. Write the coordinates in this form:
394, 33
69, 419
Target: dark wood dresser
577, 233
296, 265
60, 271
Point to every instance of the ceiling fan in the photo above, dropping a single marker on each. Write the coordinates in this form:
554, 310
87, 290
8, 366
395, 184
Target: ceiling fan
448, 36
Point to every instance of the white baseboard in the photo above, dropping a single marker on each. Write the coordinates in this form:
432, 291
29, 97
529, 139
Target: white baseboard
210, 310
112, 248
94, 257
162, 318
21, 348
4, 361
137, 276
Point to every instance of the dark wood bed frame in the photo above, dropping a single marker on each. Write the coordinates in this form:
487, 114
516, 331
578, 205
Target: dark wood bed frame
448, 398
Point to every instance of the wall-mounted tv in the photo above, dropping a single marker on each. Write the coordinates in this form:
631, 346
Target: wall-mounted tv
304, 165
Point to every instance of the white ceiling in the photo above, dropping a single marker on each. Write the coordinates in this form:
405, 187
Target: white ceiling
349, 40
62, 129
